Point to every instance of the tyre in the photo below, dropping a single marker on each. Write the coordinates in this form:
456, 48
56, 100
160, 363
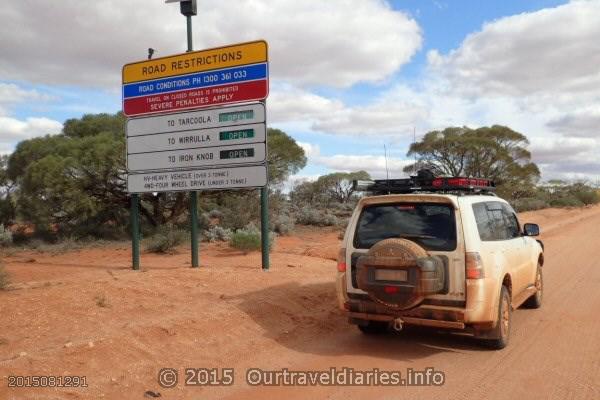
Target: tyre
501, 332
406, 273
535, 301
374, 327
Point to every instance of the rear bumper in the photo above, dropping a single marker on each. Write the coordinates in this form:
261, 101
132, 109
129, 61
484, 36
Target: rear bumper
425, 315
454, 315
355, 317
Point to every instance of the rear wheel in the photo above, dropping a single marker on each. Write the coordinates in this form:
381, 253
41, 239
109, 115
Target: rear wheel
535, 301
374, 327
501, 332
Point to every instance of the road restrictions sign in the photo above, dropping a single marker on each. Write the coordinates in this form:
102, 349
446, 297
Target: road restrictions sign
226, 75
192, 120
198, 179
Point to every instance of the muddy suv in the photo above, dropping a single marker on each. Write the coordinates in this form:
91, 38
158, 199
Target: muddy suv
438, 252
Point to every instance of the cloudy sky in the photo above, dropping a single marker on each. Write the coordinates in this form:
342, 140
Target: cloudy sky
347, 76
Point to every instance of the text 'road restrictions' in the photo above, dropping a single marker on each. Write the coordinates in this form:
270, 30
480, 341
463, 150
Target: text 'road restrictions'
198, 179
196, 61
225, 136
192, 120
202, 157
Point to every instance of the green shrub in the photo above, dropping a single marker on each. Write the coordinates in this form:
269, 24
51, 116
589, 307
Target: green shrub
166, 241
240, 209
248, 239
313, 216
203, 221
529, 204
566, 201
217, 234
283, 224
6, 237
4, 278
215, 214
587, 196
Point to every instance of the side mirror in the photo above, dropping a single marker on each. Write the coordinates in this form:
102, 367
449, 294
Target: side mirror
531, 229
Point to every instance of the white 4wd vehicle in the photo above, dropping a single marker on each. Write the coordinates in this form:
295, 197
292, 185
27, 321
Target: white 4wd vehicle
438, 252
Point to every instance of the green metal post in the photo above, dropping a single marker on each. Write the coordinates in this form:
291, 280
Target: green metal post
264, 226
135, 231
194, 228
193, 195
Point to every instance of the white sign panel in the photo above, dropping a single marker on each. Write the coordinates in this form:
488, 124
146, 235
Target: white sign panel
194, 120
203, 157
198, 179
223, 136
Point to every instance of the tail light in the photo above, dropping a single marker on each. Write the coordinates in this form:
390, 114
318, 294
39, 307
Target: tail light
391, 289
341, 260
474, 266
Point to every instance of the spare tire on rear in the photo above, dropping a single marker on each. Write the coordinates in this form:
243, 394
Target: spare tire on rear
399, 273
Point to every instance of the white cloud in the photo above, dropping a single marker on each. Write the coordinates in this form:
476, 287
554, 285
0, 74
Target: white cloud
311, 42
386, 116
311, 150
374, 165
291, 104
12, 94
392, 115
551, 50
13, 130
578, 123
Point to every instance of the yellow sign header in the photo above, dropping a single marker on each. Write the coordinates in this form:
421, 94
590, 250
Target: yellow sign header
196, 61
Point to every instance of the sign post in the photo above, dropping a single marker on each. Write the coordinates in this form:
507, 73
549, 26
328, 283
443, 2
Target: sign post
186, 129
188, 8
264, 227
135, 231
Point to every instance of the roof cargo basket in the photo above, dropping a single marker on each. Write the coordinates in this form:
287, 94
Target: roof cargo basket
426, 181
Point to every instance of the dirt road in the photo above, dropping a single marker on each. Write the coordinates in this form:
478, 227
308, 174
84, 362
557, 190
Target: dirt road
85, 313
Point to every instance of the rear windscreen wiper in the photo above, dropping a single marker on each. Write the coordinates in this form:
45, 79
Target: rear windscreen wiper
416, 236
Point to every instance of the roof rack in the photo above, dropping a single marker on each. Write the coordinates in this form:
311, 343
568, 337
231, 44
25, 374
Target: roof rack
425, 181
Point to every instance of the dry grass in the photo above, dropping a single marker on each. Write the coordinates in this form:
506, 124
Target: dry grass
102, 301
4, 278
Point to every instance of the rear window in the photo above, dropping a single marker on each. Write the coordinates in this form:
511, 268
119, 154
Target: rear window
430, 225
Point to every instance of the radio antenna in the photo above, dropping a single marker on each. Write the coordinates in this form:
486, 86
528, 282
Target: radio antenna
387, 171
414, 143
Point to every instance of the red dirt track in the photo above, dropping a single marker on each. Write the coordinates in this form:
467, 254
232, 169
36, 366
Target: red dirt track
86, 313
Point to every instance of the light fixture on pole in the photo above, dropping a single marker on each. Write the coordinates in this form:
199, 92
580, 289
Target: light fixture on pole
188, 7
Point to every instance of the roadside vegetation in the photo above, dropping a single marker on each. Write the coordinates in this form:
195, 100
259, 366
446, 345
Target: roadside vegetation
498, 153
4, 277
248, 239
66, 191
166, 240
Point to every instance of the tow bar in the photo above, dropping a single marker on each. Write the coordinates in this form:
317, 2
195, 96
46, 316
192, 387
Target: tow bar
398, 324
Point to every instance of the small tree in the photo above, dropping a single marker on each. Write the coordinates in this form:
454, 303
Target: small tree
339, 185
334, 187
495, 152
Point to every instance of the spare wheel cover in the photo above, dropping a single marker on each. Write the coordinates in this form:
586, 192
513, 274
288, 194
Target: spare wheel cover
392, 255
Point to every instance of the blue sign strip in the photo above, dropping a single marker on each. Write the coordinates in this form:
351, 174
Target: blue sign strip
192, 81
